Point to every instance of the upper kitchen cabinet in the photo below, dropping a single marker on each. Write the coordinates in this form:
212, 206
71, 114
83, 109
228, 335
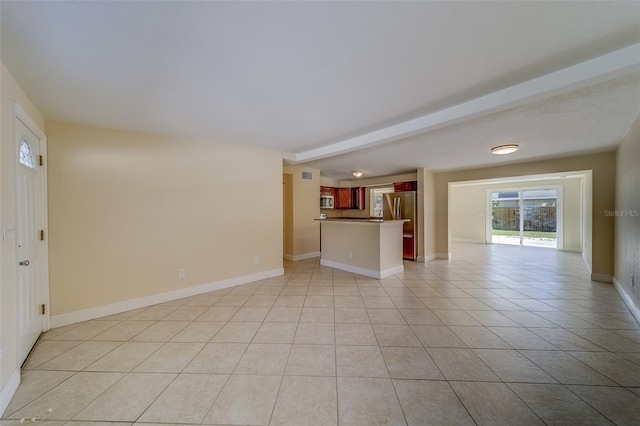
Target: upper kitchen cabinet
343, 200
405, 186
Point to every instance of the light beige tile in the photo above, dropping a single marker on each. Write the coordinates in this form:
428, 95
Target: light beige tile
306, 401
170, 358
351, 316
233, 300
521, 338
185, 313
375, 302
555, 404
385, 316
372, 292
290, 301
348, 302
318, 302
237, 332
276, 332
128, 398
461, 364
123, 331
455, 317
199, 331
207, 299
262, 300
46, 350
153, 313
355, 334
618, 404
292, 291
420, 317
218, 313
430, 403
511, 366
566, 369
439, 303
245, 400
565, 340
283, 314
251, 313
125, 357
312, 360
79, 357
186, 400
395, 335
494, 403
263, 358
408, 302
161, 331
219, 358
437, 337
314, 333
618, 369
410, 363
86, 330
317, 315
368, 401
345, 291
71, 396
360, 361
34, 384
479, 337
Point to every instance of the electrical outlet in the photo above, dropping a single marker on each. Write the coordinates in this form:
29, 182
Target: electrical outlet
350, 255
182, 273
256, 260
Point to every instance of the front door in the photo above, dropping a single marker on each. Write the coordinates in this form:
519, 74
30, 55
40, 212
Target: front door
29, 223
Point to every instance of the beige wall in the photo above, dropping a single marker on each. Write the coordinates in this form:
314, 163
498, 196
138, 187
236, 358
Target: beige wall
627, 218
427, 212
127, 210
9, 91
603, 167
469, 207
287, 193
306, 208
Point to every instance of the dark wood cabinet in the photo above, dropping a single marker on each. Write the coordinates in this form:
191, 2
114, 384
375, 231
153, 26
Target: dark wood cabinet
343, 200
405, 186
346, 198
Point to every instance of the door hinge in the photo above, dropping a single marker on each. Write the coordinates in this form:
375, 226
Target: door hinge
43, 309
40, 160
42, 235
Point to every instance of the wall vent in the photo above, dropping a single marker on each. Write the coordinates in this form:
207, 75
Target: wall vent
307, 175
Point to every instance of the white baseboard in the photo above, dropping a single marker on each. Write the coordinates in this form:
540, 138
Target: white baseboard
635, 310
142, 302
445, 256
7, 392
302, 256
603, 278
468, 240
362, 271
425, 259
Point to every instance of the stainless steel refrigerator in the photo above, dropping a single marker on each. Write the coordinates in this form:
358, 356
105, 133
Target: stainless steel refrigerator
403, 205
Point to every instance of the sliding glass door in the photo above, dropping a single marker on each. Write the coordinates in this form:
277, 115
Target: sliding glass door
525, 217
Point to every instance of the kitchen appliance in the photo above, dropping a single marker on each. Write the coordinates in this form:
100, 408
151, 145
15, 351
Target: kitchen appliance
326, 201
403, 205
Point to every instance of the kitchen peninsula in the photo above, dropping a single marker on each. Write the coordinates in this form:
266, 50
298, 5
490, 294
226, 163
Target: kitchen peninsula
370, 247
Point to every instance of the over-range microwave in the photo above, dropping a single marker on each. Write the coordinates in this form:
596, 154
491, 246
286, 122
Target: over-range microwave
326, 201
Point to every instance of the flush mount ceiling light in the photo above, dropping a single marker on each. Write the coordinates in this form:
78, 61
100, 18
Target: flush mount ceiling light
505, 149
357, 173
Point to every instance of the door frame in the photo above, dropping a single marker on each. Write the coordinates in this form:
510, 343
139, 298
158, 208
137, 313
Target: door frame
520, 189
20, 114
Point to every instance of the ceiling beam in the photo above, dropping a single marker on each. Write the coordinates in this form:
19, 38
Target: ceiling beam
608, 66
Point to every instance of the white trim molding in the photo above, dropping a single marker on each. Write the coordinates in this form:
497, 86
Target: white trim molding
9, 389
603, 278
362, 271
304, 256
143, 302
628, 300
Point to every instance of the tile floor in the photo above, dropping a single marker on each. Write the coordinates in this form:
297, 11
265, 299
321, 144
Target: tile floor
498, 335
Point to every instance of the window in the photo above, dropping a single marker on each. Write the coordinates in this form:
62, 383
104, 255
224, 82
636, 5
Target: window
26, 158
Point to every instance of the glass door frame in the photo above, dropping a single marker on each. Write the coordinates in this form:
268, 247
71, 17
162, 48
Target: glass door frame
520, 190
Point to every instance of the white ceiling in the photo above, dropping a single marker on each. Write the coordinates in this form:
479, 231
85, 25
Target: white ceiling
384, 87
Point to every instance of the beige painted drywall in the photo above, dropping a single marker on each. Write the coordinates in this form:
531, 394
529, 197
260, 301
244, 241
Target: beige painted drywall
469, 206
427, 212
10, 91
127, 210
287, 193
306, 208
601, 164
627, 215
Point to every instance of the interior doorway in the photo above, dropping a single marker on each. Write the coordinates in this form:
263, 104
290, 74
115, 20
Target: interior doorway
525, 217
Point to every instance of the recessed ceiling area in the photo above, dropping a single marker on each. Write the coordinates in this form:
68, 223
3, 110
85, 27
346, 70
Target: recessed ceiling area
304, 77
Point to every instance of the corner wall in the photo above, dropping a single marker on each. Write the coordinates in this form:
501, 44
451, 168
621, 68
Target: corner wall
627, 219
306, 208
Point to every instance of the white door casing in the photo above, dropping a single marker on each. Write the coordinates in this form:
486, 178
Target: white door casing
31, 250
